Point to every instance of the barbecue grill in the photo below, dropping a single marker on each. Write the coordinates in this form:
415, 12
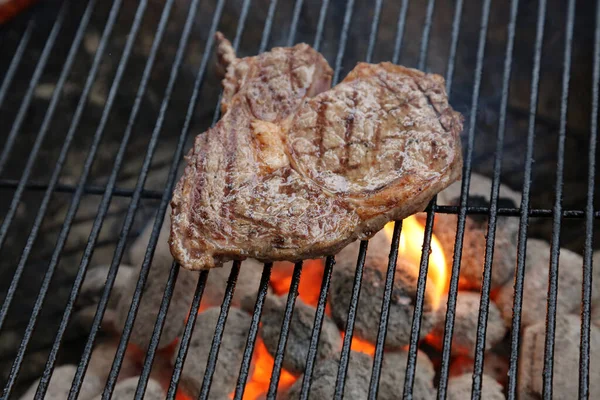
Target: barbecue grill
156, 59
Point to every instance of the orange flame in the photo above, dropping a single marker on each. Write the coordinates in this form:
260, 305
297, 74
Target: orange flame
309, 286
258, 382
411, 247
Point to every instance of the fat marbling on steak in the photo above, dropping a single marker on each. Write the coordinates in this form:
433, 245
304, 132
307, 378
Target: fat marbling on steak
293, 170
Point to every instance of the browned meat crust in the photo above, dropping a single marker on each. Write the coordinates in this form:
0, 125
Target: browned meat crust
287, 176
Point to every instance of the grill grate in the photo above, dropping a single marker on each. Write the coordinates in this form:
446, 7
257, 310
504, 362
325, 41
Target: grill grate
111, 188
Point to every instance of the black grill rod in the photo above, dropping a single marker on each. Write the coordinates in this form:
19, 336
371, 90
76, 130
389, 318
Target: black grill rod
557, 210
16, 59
263, 287
586, 296
105, 202
27, 170
385, 311
168, 292
344, 357
453, 289
35, 78
349, 331
525, 206
462, 212
285, 329
400, 27
294, 24
374, 31
493, 216
424, 265
170, 183
89, 189
219, 330
343, 38
185, 340
317, 325
187, 335
75, 202
60, 161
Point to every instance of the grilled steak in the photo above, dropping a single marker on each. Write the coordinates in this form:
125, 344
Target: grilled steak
292, 171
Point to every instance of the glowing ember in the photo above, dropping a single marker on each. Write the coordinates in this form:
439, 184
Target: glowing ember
258, 382
310, 280
411, 246
361, 346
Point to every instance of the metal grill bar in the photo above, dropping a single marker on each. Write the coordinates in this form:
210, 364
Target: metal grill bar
557, 210
385, 311
400, 32
311, 356
285, 329
37, 73
187, 335
16, 59
349, 332
492, 217
105, 202
409, 376
219, 330
162, 207
586, 296
525, 200
253, 332
76, 199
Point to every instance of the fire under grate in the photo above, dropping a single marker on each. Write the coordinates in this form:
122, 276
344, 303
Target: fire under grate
470, 43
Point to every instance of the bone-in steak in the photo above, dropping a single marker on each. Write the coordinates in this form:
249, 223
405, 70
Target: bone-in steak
288, 176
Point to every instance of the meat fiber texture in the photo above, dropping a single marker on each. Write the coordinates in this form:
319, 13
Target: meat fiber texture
295, 171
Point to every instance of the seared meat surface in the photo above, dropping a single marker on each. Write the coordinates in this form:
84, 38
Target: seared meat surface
295, 171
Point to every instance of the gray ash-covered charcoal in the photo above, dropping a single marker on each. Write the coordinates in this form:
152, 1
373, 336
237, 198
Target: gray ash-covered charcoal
465, 325
125, 390
230, 352
535, 286
565, 381
154, 290
496, 365
371, 294
300, 333
60, 385
103, 356
246, 287
461, 387
325, 375
479, 186
393, 370
95, 279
